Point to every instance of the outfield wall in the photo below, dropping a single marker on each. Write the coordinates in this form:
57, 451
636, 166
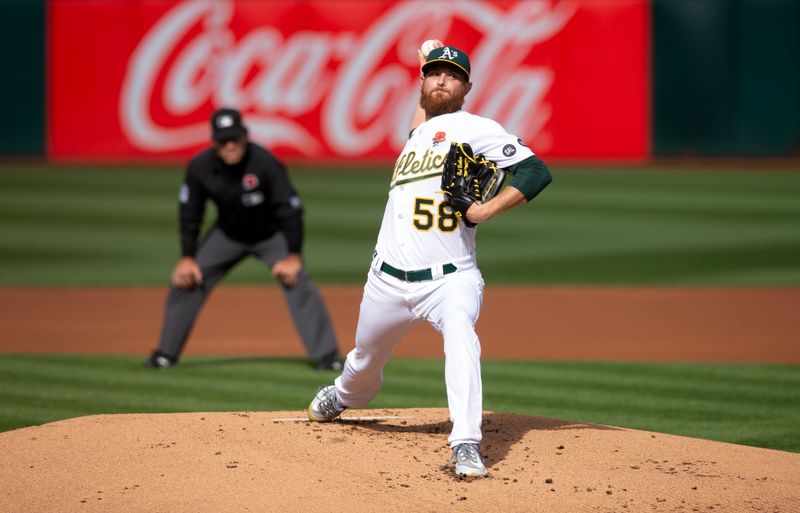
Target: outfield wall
22, 115
726, 77
336, 80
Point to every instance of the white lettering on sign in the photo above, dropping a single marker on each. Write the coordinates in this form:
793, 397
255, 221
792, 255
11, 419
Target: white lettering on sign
190, 59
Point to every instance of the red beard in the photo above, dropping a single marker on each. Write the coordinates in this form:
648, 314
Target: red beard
436, 105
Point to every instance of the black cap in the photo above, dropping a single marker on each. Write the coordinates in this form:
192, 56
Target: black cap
227, 124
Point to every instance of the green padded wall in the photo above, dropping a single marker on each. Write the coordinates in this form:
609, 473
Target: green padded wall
726, 77
22, 86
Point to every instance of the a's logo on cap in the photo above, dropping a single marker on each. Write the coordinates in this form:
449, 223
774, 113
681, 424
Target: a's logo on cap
446, 53
224, 121
450, 55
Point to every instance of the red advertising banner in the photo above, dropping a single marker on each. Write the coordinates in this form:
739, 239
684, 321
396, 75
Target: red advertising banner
339, 79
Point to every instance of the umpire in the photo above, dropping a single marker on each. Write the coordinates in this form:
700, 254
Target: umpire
259, 214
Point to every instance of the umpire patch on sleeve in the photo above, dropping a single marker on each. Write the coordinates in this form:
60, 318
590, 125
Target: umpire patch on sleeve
509, 149
183, 194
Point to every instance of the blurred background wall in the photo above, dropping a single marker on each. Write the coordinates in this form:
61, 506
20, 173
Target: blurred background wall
726, 77
619, 79
22, 42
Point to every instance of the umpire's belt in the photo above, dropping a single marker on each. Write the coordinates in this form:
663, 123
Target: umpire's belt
418, 275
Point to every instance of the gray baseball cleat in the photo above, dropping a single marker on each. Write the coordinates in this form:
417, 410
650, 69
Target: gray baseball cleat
325, 406
468, 461
331, 362
159, 360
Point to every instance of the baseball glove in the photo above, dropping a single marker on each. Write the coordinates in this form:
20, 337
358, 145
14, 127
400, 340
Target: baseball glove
467, 178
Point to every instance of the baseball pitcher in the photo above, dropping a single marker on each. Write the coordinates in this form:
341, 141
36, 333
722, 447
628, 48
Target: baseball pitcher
424, 268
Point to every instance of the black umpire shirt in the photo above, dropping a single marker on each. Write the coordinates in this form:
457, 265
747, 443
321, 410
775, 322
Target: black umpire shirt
254, 199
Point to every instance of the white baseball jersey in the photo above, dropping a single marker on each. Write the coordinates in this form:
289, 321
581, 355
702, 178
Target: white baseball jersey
420, 233
417, 231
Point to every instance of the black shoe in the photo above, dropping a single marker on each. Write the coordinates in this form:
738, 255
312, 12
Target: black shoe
159, 360
330, 363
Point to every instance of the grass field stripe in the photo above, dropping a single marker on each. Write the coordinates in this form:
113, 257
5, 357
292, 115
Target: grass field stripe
599, 226
751, 404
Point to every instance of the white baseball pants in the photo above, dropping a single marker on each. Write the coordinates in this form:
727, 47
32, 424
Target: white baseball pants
451, 304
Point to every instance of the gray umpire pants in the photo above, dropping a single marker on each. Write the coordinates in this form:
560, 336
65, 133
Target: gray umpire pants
217, 255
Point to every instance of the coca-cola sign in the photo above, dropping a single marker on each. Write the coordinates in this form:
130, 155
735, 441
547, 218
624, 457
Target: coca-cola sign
340, 79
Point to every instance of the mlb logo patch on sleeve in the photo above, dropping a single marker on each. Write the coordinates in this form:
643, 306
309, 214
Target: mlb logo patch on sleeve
249, 182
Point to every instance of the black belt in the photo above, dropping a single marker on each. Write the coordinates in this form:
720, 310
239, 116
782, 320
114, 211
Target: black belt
418, 275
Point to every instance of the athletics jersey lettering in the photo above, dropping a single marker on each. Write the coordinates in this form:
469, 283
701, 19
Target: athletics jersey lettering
409, 167
419, 229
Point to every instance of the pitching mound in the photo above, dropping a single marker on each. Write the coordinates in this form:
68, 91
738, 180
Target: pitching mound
377, 460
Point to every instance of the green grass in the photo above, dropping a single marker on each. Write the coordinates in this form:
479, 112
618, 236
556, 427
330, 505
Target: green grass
68, 225
757, 405
603, 226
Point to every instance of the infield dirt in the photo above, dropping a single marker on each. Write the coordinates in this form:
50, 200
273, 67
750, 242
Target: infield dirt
701, 324
213, 462
275, 461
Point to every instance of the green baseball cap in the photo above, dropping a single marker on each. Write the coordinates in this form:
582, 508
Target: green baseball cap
449, 55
